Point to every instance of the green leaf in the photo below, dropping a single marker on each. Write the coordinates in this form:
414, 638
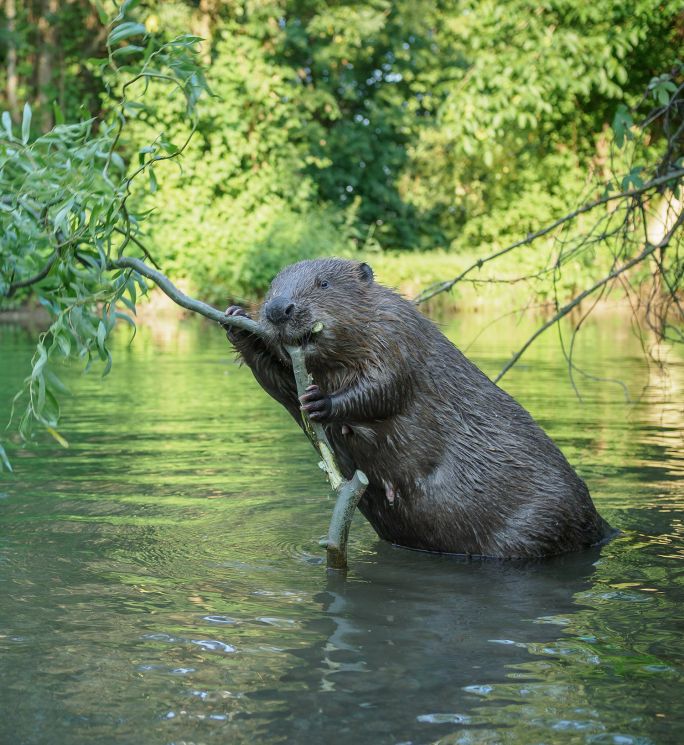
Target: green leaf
128, 303
4, 459
7, 123
26, 124
40, 398
125, 317
101, 336
118, 162
108, 365
622, 123
58, 113
101, 12
127, 6
55, 383
633, 179
125, 31
127, 51
153, 181
40, 363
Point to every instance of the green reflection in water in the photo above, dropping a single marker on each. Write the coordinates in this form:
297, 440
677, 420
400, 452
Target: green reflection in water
161, 580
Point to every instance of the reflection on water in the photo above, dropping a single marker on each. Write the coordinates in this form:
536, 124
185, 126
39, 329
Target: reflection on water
161, 580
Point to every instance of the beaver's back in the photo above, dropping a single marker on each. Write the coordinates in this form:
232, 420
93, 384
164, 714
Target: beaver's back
472, 471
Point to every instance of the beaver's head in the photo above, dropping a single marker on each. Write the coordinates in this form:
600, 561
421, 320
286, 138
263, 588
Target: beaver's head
333, 295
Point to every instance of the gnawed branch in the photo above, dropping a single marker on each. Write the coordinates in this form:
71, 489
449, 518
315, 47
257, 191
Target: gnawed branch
180, 298
348, 492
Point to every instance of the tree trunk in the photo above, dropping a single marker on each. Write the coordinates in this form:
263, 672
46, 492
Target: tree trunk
208, 10
47, 40
12, 77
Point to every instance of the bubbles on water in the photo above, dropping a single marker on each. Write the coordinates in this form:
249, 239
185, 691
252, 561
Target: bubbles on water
611, 738
621, 595
160, 637
221, 619
280, 623
555, 620
655, 668
443, 718
571, 725
479, 690
212, 645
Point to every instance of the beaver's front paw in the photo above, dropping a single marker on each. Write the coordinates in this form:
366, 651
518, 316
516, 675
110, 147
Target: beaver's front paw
232, 332
316, 404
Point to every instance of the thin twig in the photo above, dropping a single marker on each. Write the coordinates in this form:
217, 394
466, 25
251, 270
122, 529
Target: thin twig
650, 248
439, 287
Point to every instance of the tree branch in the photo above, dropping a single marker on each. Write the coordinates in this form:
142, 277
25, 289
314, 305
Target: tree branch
348, 492
14, 286
648, 250
439, 287
180, 298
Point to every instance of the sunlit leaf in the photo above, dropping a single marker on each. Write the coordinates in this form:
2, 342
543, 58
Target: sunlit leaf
26, 124
61, 440
101, 336
125, 31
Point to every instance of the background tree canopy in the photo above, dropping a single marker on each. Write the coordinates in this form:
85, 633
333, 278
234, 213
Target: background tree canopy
338, 126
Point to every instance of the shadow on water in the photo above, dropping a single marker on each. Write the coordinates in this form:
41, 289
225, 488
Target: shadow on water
418, 639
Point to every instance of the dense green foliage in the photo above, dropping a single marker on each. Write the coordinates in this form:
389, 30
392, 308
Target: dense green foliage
384, 125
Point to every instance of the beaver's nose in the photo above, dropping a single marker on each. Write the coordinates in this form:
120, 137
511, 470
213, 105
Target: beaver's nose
279, 309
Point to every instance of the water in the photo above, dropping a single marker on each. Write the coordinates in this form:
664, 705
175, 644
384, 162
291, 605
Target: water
161, 580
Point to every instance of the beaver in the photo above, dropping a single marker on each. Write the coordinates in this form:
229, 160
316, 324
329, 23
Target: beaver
455, 464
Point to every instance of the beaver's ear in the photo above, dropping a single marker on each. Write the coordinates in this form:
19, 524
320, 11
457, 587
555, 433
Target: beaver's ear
366, 273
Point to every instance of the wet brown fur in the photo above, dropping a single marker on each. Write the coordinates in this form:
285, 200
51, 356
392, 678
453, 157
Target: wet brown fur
455, 464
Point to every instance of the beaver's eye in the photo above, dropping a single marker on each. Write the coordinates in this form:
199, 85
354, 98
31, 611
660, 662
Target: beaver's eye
323, 284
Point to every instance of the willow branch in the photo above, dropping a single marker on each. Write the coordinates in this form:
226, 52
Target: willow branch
439, 287
14, 286
180, 298
648, 250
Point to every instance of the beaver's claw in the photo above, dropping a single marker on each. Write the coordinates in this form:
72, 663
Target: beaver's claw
316, 404
233, 332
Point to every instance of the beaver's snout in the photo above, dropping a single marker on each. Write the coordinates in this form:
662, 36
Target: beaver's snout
279, 310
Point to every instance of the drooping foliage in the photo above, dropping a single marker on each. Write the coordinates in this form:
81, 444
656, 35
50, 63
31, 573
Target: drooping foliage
65, 214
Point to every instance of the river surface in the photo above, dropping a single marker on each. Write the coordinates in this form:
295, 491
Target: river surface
161, 580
